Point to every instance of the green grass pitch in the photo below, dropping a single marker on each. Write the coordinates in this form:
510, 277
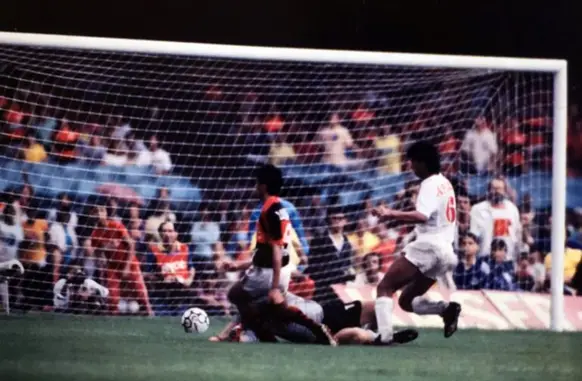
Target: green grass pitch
59, 348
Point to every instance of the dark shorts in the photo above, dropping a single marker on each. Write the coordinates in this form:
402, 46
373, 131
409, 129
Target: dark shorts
338, 315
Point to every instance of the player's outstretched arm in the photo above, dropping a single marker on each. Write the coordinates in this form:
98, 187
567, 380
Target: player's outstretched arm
223, 335
414, 217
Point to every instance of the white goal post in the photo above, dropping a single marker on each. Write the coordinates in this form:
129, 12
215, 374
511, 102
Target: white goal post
556, 67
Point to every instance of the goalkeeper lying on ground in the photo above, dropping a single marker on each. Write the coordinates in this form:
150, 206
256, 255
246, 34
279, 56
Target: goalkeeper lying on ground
351, 323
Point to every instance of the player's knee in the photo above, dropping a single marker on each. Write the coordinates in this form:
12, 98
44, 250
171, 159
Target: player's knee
405, 303
384, 288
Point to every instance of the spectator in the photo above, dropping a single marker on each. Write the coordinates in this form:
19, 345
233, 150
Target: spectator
138, 153
524, 278
314, 215
537, 269
38, 267
21, 205
281, 152
116, 155
514, 141
160, 158
161, 212
371, 220
527, 239
63, 240
170, 271
274, 123
467, 274
65, 143
93, 152
11, 234
371, 273
64, 201
463, 215
387, 246
239, 240
113, 209
480, 147
449, 145
336, 139
33, 152
571, 259
497, 218
110, 241
330, 261
497, 271
363, 241
206, 244
136, 227
389, 148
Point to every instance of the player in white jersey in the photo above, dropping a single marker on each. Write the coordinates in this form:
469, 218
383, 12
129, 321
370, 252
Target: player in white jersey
430, 256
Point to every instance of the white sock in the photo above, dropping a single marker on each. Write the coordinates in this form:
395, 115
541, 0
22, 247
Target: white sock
383, 309
423, 306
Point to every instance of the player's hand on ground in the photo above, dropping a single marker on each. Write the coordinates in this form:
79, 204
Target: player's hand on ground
275, 296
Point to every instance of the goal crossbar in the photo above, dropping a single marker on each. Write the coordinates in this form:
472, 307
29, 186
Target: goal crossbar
283, 54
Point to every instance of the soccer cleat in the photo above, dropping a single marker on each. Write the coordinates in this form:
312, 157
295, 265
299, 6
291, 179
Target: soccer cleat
451, 318
399, 337
325, 336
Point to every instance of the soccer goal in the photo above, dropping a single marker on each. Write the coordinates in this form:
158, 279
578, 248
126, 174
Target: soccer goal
173, 131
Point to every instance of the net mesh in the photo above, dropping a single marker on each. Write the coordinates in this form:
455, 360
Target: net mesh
97, 149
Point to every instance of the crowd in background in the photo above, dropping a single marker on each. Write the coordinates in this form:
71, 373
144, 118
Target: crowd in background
331, 243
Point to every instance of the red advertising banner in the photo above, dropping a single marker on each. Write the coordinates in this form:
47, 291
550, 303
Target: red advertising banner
481, 309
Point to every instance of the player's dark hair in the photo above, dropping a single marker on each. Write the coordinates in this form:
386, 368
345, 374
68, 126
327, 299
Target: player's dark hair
270, 176
498, 244
426, 153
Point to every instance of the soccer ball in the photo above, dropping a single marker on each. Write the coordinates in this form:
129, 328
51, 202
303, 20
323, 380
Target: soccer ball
195, 320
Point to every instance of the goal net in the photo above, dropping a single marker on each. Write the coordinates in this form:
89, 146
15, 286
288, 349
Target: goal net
100, 147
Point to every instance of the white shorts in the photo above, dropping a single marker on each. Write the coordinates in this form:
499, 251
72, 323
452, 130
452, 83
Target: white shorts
433, 258
257, 281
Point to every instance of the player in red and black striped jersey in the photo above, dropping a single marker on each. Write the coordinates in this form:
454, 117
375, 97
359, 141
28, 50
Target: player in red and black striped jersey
261, 291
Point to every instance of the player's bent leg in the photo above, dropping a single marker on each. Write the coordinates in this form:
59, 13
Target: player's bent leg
412, 300
290, 314
399, 275
250, 317
361, 336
